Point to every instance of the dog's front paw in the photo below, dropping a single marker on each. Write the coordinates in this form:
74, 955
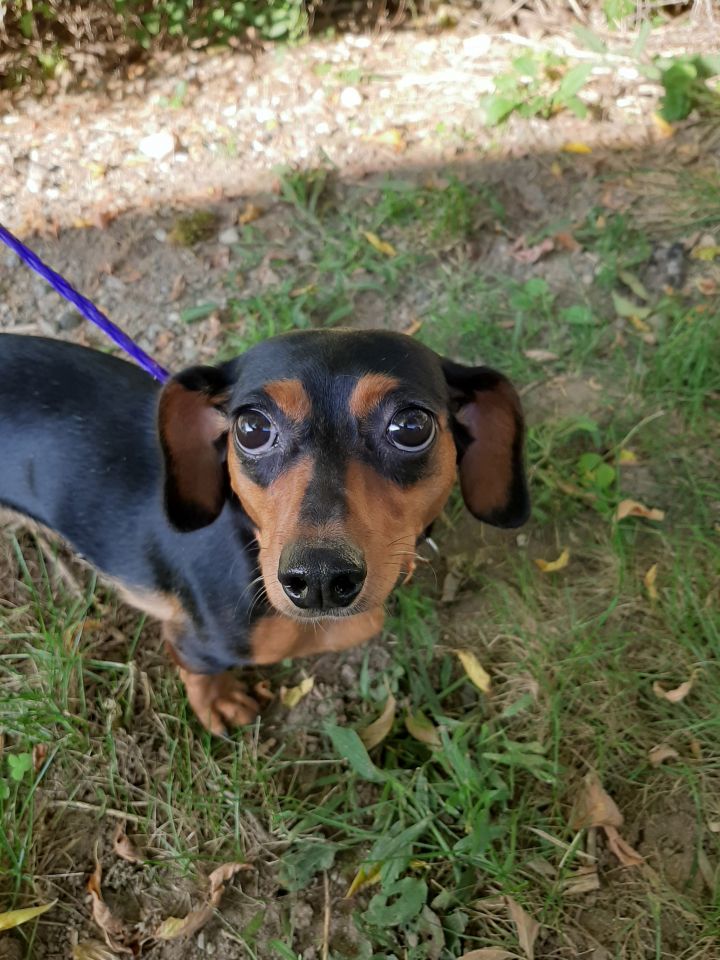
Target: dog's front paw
219, 701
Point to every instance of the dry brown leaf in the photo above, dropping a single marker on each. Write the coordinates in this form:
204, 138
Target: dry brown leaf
676, 695
541, 356
633, 508
649, 581
123, 845
419, 727
263, 690
552, 566
13, 918
622, 849
114, 930
291, 696
527, 928
174, 927
475, 670
661, 753
93, 950
178, 287
594, 807
487, 953
375, 732
39, 755
566, 241
524, 254
249, 214
584, 880
382, 246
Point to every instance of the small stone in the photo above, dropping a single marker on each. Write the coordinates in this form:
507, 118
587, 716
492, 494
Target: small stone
350, 98
158, 145
229, 236
160, 235
201, 941
69, 320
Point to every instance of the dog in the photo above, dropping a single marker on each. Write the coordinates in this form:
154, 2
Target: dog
262, 508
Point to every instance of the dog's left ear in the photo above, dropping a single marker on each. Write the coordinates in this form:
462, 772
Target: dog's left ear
489, 432
192, 428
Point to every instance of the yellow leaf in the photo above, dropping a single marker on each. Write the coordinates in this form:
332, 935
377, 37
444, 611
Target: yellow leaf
365, 876
664, 129
649, 581
250, 213
639, 324
475, 670
576, 146
633, 508
291, 696
301, 291
388, 138
627, 457
412, 328
678, 694
552, 566
705, 253
375, 732
419, 727
556, 170
382, 246
93, 950
13, 918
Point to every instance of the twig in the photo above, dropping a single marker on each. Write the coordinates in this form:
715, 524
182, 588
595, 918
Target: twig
326, 921
95, 808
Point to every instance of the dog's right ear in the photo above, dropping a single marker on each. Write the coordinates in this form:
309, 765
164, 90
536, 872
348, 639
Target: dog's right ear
192, 425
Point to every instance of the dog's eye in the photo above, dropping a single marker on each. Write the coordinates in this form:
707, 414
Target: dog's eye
255, 432
411, 429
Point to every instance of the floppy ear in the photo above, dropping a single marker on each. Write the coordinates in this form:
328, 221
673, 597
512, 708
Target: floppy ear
192, 429
489, 432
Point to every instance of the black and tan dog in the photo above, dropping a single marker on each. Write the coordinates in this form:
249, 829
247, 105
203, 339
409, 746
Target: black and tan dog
263, 508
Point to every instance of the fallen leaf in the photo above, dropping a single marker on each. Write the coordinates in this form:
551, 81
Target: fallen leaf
412, 328
375, 732
627, 458
487, 953
628, 310
302, 291
419, 727
634, 284
263, 691
527, 928
93, 950
123, 845
13, 918
576, 146
594, 807
566, 241
676, 695
365, 876
622, 849
524, 254
552, 566
388, 138
382, 246
649, 581
664, 129
661, 753
114, 930
706, 253
633, 508
249, 214
39, 755
707, 286
178, 287
584, 880
475, 670
174, 927
541, 356
291, 696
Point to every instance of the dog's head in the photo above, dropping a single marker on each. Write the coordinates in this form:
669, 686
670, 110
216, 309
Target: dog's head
342, 448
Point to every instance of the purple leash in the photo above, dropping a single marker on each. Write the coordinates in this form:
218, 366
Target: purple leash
86, 308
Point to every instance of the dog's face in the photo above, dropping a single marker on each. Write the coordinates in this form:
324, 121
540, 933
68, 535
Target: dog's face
342, 447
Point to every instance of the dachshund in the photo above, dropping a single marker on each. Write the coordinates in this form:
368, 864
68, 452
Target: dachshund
262, 508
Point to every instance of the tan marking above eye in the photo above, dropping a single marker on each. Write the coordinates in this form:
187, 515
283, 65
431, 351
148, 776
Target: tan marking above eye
291, 397
369, 391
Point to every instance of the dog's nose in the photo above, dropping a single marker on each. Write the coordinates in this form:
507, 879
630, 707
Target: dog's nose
321, 577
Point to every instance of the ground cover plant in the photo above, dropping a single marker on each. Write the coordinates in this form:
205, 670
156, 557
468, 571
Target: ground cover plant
526, 763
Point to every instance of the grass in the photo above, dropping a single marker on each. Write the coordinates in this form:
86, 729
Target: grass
432, 834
